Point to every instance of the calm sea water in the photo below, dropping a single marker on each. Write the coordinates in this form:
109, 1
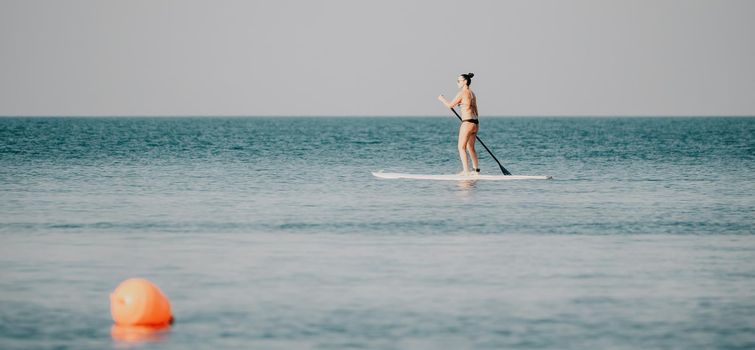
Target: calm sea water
272, 233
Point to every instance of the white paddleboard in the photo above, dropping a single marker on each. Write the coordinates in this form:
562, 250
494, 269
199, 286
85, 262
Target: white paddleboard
451, 177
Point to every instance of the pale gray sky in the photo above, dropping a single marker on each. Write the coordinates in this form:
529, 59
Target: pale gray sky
560, 57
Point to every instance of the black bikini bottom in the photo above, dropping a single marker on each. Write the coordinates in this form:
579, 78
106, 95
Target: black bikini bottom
473, 121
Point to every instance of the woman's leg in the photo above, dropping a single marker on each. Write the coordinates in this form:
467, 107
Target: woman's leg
470, 146
462, 145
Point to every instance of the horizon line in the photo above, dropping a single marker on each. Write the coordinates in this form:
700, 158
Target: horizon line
375, 116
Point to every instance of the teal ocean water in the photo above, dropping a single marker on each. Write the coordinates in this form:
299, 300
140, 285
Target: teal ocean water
272, 233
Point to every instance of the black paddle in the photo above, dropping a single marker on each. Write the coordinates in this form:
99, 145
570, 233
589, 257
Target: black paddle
503, 170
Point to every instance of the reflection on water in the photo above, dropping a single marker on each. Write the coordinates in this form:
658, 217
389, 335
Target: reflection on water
466, 185
124, 336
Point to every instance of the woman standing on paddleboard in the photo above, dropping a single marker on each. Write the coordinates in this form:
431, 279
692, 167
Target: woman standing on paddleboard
469, 123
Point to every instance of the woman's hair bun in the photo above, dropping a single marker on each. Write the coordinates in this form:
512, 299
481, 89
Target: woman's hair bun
470, 74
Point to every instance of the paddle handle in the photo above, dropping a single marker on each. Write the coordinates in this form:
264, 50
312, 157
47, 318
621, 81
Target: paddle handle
503, 170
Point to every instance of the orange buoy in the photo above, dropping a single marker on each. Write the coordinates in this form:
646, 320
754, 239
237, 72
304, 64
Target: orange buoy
138, 302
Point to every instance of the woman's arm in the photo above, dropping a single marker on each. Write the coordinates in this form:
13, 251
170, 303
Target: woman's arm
456, 101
